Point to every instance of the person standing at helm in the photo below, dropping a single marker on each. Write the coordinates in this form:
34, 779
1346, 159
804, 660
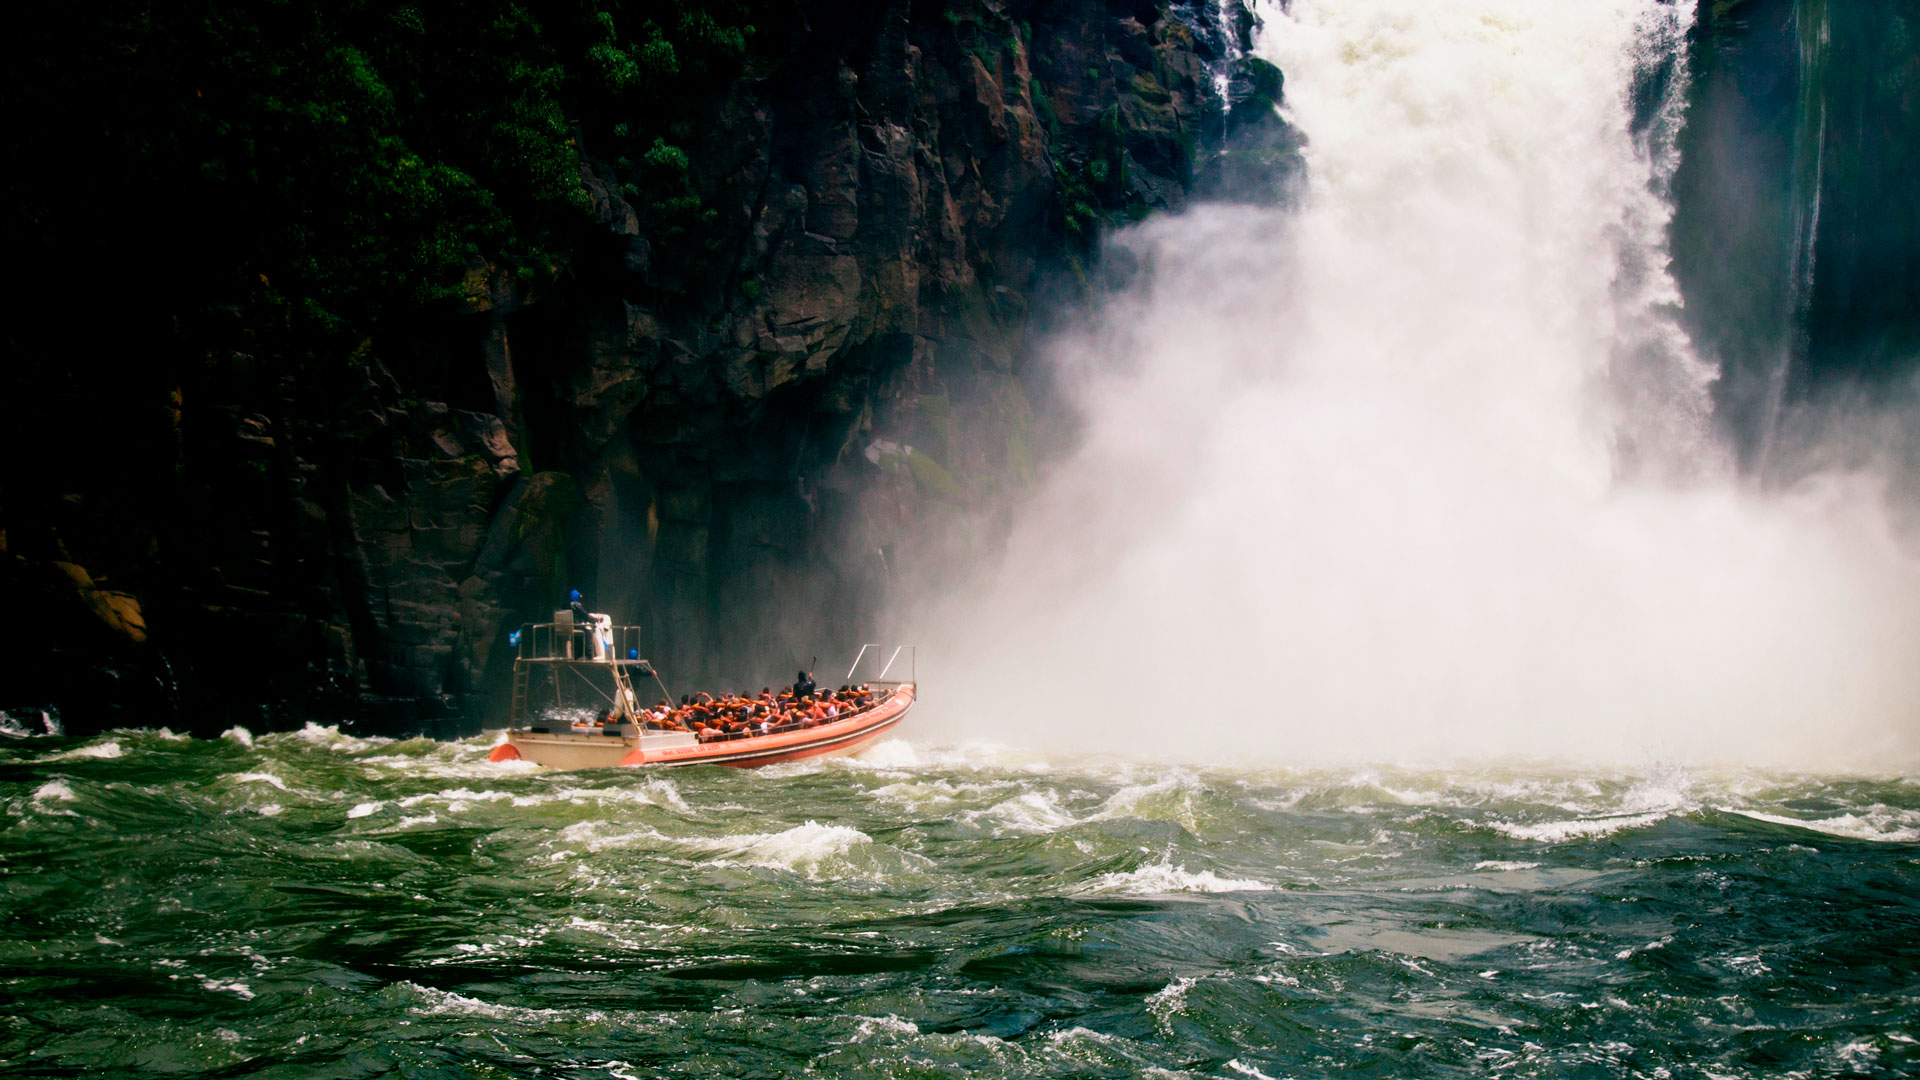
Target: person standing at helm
803, 685
582, 623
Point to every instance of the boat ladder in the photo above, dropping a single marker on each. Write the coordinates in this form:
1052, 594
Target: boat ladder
628, 706
522, 675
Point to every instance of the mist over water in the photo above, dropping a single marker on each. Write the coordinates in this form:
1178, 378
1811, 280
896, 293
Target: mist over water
1424, 468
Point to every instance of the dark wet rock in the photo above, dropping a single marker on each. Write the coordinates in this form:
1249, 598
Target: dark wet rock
684, 428
1259, 160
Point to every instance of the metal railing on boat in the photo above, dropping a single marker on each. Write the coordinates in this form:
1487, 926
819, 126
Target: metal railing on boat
793, 725
566, 645
573, 643
913, 663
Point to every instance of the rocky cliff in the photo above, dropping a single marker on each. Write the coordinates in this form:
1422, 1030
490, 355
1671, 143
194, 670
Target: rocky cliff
319, 396
1796, 234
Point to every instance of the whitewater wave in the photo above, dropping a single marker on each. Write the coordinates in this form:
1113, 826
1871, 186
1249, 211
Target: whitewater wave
260, 778
890, 754
1558, 832
1029, 812
1163, 877
1170, 1000
429, 1001
811, 849
105, 751
53, 790
1882, 824
326, 736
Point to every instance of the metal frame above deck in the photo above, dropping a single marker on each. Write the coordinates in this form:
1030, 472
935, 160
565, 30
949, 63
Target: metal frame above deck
551, 646
572, 662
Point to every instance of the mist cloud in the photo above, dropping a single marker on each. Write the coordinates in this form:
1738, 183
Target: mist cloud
1424, 470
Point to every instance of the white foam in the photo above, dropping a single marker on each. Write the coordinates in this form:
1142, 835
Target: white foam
1554, 832
238, 734
1503, 865
1081, 1034
53, 791
1879, 823
1170, 999
975, 756
593, 835
364, 809
269, 810
239, 989
1163, 877
1031, 812
890, 754
1166, 799
329, 736
810, 849
916, 793
260, 778
458, 799
105, 750
1668, 787
655, 791
889, 1025
435, 1002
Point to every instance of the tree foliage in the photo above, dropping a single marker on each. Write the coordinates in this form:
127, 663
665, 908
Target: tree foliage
309, 166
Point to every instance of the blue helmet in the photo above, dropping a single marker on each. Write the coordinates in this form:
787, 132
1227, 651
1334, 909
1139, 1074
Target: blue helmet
574, 596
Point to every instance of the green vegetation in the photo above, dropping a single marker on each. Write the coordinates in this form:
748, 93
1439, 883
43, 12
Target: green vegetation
313, 167
1267, 84
932, 476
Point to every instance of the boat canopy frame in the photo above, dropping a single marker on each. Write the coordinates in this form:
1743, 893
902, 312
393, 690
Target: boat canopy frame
553, 642
567, 645
913, 663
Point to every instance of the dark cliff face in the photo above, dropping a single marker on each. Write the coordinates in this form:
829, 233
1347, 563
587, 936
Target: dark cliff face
761, 361
1796, 236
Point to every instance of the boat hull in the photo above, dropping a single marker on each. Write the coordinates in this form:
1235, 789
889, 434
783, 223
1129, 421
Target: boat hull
565, 751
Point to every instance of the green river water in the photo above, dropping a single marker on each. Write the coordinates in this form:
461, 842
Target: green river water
315, 905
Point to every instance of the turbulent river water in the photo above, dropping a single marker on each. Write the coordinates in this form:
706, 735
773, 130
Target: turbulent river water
1426, 462
316, 905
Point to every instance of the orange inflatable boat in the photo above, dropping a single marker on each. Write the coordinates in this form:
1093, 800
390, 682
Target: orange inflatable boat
598, 662
577, 750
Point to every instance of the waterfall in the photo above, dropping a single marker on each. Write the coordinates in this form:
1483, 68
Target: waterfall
1425, 468
1813, 31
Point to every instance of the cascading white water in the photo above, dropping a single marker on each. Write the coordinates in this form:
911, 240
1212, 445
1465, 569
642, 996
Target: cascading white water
1424, 469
